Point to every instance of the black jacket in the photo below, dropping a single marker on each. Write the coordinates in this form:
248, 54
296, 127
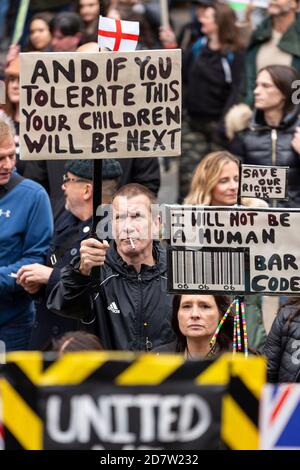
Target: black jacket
262, 145
212, 81
130, 311
69, 232
282, 347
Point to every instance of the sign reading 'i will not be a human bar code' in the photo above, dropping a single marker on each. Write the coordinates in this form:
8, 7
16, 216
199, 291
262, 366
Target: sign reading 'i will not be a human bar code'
233, 249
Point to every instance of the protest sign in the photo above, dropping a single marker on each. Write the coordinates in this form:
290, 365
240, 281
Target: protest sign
109, 400
280, 417
104, 105
265, 182
238, 250
107, 417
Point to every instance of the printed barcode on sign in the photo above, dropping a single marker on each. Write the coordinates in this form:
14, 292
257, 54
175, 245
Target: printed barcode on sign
222, 270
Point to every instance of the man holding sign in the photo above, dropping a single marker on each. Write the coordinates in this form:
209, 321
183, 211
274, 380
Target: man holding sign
129, 307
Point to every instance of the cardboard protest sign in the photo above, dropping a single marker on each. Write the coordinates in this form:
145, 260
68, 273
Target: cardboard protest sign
280, 415
265, 182
238, 250
100, 105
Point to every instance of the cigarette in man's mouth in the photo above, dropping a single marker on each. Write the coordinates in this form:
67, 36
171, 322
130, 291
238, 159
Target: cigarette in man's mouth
132, 244
13, 275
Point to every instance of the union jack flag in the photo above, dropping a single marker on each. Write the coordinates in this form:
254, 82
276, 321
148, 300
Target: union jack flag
280, 417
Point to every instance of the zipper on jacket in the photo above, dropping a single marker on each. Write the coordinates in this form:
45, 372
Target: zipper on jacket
274, 142
140, 315
148, 344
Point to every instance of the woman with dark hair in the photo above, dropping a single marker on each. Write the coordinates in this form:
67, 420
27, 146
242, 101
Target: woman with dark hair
268, 138
282, 347
89, 10
195, 321
212, 73
39, 33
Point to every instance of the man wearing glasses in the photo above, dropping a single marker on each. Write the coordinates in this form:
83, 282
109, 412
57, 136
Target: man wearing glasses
71, 228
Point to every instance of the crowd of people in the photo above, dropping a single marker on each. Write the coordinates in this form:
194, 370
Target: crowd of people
64, 289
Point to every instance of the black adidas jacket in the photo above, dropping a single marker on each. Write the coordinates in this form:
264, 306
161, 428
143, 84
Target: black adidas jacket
129, 310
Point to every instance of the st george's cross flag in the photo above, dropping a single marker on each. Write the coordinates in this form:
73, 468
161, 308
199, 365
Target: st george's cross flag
118, 35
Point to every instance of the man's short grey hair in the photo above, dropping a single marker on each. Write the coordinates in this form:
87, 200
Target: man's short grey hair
7, 126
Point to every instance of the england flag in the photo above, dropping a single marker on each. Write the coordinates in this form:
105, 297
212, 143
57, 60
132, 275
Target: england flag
117, 35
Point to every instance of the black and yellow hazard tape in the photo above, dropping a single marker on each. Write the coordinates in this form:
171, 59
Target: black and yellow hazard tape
240, 430
26, 372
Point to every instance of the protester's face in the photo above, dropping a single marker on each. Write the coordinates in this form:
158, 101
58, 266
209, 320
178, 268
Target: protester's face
267, 96
7, 158
208, 21
132, 219
89, 10
280, 7
61, 43
226, 190
198, 316
13, 89
74, 190
40, 35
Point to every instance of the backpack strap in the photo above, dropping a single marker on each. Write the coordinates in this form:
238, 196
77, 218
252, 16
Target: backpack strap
198, 46
227, 70
13, 182
226, 60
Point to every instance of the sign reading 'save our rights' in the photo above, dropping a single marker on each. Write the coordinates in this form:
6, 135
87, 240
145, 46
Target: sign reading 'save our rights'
100, 105
266, 182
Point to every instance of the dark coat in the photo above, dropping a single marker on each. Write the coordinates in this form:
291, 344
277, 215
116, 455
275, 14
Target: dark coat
282, 347
212, 81
69, 231
130, 310
260, 144
289, 43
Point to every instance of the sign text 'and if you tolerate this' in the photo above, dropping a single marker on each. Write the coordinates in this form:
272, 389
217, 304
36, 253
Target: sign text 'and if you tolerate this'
100, 105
